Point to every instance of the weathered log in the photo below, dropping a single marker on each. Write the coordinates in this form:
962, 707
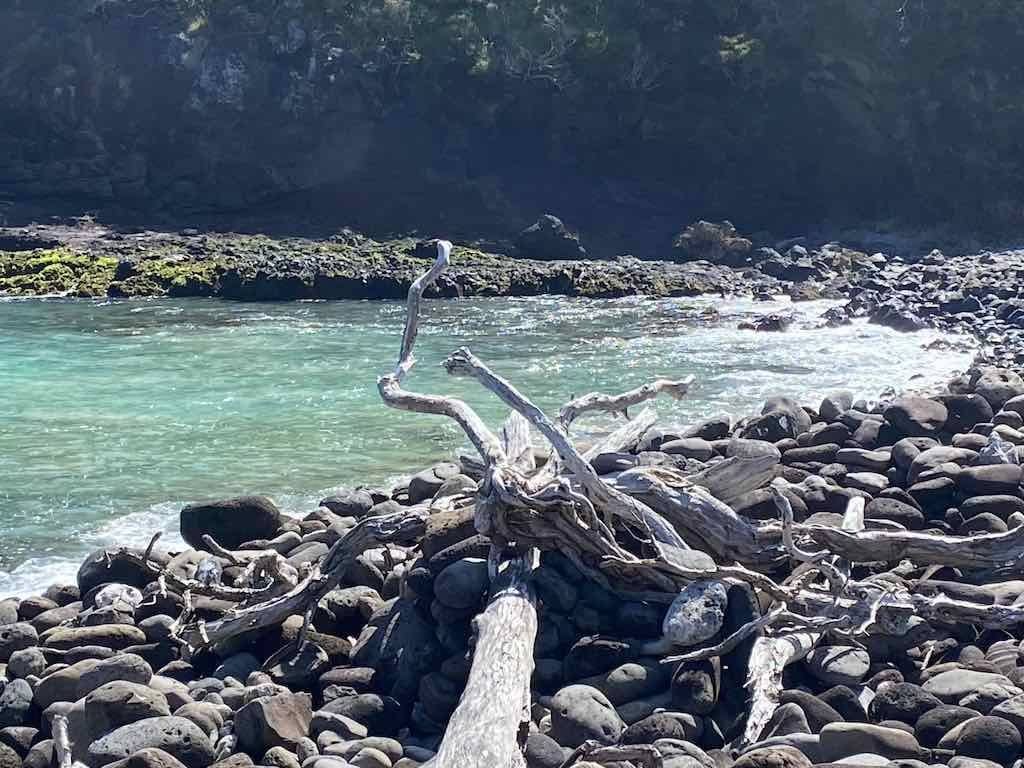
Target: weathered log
489, 726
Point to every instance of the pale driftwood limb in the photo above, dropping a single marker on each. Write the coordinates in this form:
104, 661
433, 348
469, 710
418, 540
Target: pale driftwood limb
595, 401
989, 550
515, 440
390, 385
731, 478
462, 362
489, 726
704, 521
768, 658
406, 526
61, 741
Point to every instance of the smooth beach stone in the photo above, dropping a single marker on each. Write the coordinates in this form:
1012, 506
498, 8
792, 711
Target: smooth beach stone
839, 740
663, 725
581, 712
462, 584
917, 416
695, 686
16, 637
937, 722
230, 522
773, 757
954, 684
816, 711
15, 703
787, 719
629, 681
988, 696
838, 665
150, 757
990, 480
964, 411
119, 703
998, 386
26, 662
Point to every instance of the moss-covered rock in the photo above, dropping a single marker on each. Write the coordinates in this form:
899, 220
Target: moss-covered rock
56, 271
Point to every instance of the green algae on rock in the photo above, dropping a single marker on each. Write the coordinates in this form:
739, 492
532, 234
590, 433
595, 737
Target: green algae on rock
43, 272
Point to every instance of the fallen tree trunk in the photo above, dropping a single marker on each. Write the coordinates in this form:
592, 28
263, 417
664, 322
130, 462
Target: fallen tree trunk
489, 726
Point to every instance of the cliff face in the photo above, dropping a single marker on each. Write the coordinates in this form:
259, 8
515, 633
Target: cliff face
478, 116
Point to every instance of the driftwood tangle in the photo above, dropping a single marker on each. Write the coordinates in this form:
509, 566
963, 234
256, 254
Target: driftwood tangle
634, 534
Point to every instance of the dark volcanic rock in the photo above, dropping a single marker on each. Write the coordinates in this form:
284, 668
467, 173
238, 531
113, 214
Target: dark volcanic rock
230, 522
917, 416
175, 735
548, 238
989, 738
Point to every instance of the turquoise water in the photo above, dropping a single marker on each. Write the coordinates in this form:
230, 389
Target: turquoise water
114, 414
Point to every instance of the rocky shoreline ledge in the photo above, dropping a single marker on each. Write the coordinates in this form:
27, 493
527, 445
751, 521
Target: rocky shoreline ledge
834, 584
978, 294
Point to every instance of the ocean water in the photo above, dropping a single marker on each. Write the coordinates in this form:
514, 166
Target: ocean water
115, 414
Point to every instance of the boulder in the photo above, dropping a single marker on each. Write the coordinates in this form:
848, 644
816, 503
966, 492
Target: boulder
114, 636
917, 416
149, 758
990, 480
989, 738
176, 736
952, 685
349, 503
119, 703
549, 239
998, 385
940, 720
840, 740
773, 757
462, 584
16, 637
717, 242
273, 721
15, 704
231, 522
904, 702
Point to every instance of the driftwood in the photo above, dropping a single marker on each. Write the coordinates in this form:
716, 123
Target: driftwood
490, 724
643, 534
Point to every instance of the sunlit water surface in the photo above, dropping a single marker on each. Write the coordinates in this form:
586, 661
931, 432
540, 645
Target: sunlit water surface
113, 415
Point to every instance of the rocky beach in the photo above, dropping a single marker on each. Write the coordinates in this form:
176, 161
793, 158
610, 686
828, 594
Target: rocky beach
845, 588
